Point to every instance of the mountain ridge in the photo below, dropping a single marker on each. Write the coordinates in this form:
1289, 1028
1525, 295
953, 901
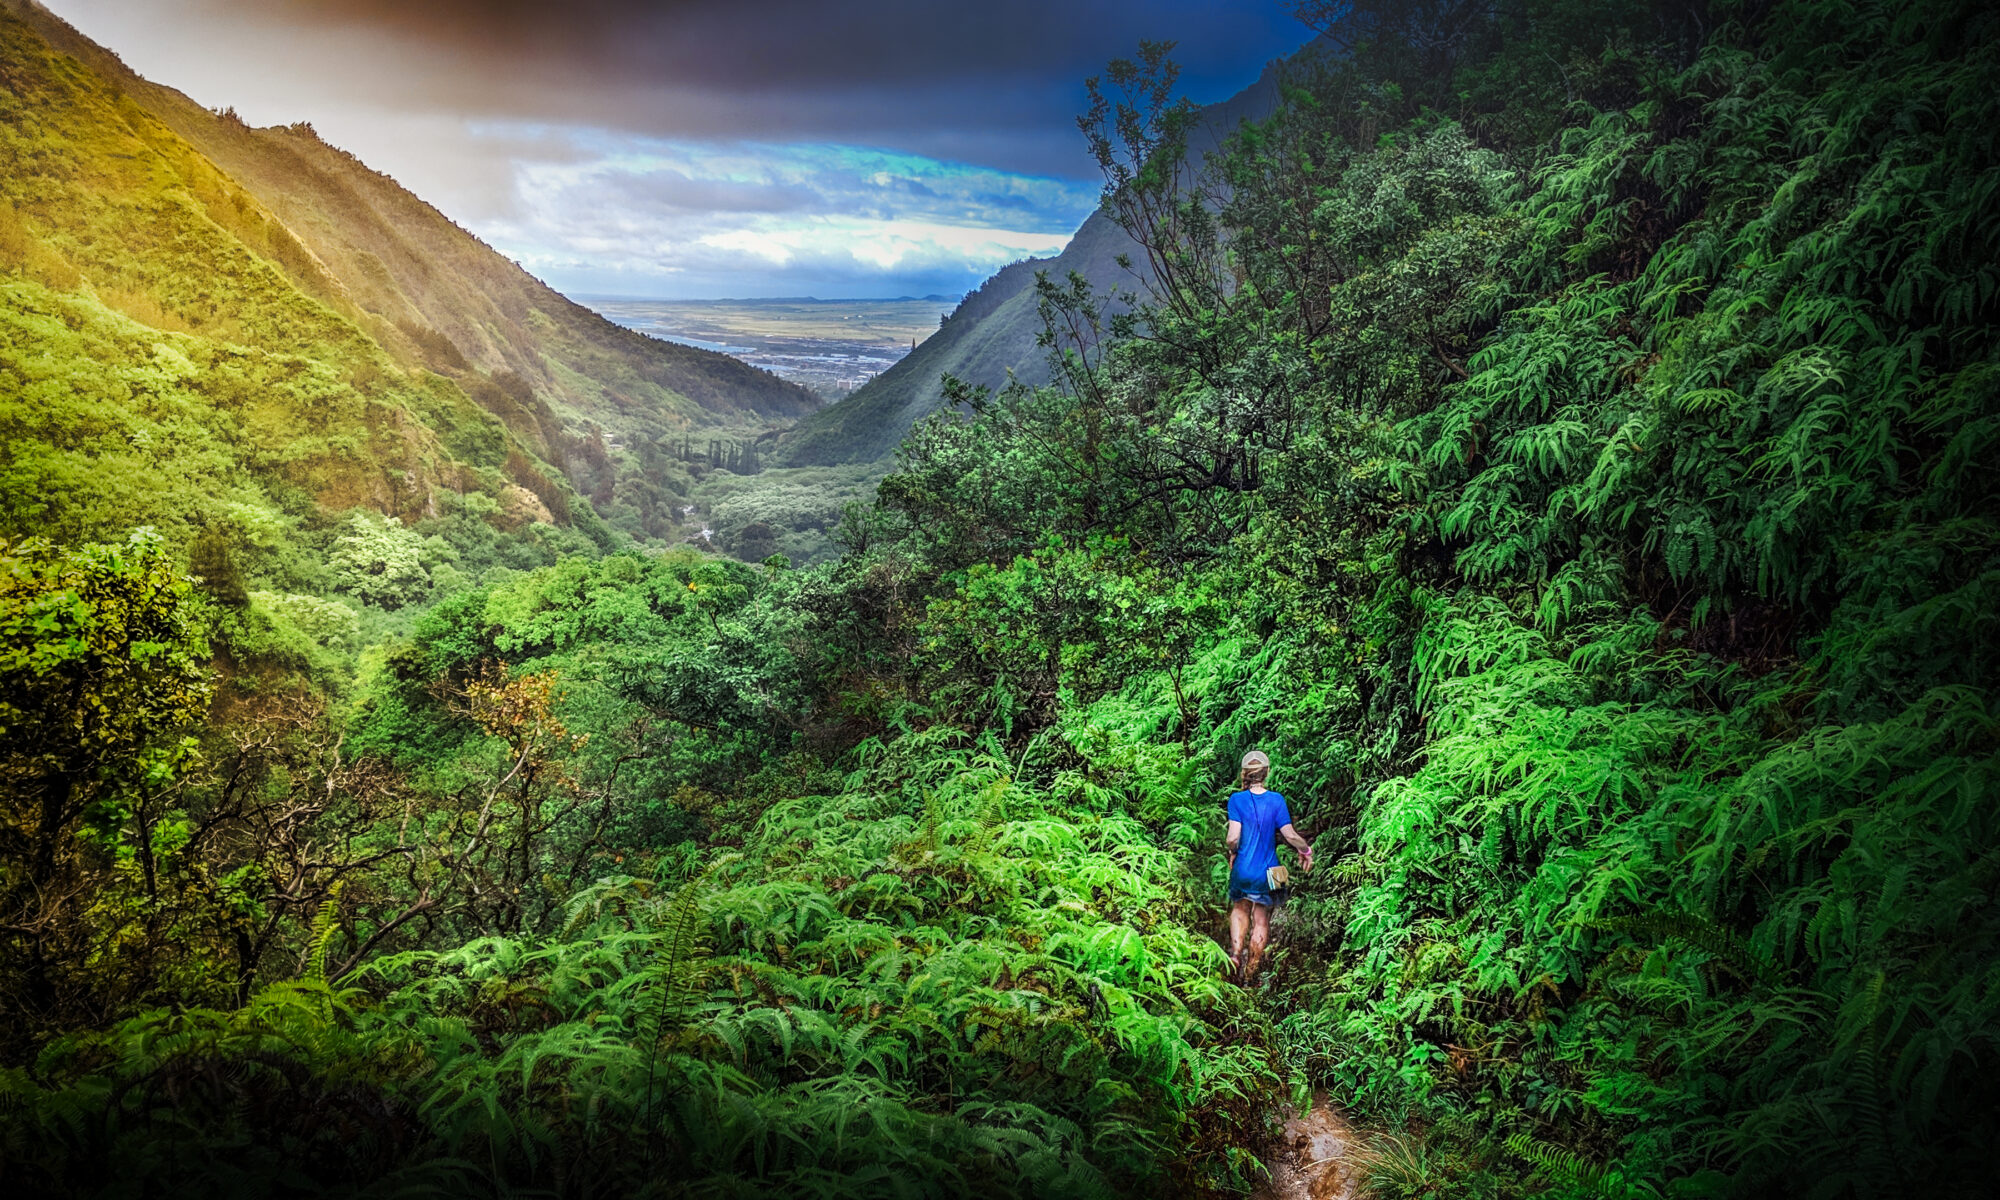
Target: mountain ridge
990, 339
329, 331
366, 244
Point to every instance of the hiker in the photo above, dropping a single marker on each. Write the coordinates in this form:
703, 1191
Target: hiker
1257, 819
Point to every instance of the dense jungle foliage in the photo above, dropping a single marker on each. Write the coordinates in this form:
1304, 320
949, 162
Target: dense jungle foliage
1562, 436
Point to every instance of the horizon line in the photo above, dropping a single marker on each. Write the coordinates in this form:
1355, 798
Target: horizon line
939, 297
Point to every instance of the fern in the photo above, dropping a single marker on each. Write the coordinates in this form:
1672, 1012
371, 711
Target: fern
325, 924
1719, 943
1572, 1170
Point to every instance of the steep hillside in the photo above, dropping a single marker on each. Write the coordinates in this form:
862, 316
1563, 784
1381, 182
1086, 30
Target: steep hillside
991, 337
428, 289
409, 268
170, 352
206, 327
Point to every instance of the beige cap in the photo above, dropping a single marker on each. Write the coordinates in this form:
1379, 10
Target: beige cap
1257, 758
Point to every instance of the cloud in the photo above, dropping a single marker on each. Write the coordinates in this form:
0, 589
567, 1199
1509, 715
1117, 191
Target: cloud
669, 192
663, 144
686, 217
997, 83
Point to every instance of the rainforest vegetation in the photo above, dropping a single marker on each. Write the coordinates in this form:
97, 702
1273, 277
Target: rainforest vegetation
1563, 436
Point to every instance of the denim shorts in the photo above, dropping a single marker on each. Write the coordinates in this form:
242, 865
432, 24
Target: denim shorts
1253, 891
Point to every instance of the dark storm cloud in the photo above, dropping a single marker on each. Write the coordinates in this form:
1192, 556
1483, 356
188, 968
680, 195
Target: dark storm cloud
994, 82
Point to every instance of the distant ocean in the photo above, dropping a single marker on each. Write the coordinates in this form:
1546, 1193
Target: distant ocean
653, 327
830, 346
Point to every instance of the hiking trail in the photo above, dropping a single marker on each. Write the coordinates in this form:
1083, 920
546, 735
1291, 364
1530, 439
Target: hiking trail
1312, 1157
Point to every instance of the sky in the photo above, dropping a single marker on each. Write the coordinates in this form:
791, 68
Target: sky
683, 149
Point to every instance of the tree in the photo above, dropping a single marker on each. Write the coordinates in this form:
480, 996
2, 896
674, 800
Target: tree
103, 669
495, 848
381, 562
213, 561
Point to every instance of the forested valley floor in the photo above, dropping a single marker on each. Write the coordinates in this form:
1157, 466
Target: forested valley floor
1567, 446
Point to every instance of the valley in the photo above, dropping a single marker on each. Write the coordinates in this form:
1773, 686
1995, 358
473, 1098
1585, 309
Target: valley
1506, 495
830, 347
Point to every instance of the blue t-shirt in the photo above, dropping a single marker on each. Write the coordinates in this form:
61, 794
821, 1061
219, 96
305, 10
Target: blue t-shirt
1262, 817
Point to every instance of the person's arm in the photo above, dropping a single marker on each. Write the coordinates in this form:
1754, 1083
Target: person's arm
1298, 843
1231, 840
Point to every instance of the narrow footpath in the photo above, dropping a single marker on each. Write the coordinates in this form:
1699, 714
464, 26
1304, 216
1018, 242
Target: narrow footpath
1309, 1159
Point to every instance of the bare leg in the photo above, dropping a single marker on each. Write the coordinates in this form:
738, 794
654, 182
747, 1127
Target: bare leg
1260, 937
1239, 924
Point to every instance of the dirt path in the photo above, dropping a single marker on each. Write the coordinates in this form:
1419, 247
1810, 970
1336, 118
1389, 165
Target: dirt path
1309, 1158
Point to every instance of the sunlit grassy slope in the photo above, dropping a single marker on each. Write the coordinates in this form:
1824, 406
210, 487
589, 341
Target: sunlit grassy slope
206, 325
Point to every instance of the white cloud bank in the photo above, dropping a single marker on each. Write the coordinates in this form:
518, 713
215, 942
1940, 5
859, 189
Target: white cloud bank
615, 214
